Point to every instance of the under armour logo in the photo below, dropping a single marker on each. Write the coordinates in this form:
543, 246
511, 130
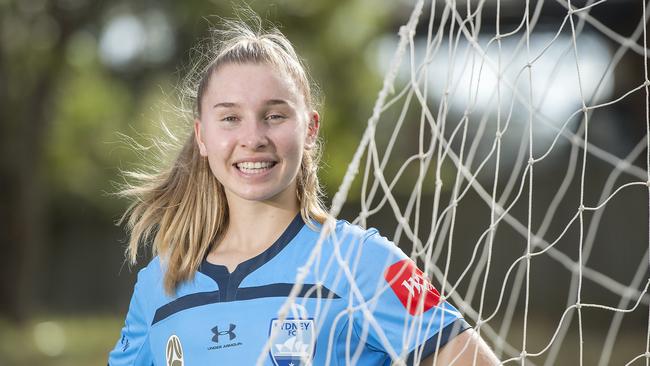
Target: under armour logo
417, 283
217, 333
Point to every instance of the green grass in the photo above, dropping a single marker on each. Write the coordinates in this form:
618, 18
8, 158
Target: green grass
59, 341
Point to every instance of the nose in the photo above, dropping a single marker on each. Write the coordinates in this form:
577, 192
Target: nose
254, 136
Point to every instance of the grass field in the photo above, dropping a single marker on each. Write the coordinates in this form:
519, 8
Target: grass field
59, 341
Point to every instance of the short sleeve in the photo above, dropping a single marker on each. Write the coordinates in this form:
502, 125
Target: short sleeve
406, 312
133, 346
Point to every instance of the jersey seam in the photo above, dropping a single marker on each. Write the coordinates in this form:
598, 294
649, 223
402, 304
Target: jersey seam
347, 321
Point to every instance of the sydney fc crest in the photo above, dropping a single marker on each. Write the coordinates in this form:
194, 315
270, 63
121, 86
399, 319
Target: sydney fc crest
294, 341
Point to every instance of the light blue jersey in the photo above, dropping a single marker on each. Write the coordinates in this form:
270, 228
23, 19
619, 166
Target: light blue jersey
362, 302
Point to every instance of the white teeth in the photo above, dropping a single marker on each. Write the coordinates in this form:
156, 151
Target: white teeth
251, 166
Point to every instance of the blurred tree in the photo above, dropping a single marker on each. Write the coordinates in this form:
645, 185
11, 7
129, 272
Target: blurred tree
32, 58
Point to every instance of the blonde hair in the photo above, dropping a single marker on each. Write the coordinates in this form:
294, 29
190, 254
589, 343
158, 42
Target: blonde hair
181, 210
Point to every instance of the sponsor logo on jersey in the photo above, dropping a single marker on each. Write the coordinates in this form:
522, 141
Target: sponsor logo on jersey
411, 287
125, 343
224, 336
230, 332
294, 341
174, 351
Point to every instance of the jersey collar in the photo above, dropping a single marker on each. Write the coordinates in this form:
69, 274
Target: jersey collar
229, 282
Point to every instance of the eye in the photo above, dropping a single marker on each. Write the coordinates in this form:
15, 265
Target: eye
275, 117
229, 119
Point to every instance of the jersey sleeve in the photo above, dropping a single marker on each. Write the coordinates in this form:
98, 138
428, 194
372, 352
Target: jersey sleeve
403, 314
132, 348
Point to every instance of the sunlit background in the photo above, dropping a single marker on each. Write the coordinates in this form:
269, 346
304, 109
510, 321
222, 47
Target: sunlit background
78, 75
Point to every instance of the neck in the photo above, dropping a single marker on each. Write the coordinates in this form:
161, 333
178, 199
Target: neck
256, 225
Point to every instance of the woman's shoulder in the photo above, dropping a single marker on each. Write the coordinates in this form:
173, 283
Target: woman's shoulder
370, 240
150, 279
150, 285
367, 251
341, 230
153, 271
345, 227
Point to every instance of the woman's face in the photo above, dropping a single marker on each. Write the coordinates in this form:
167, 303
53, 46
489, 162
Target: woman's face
254, 128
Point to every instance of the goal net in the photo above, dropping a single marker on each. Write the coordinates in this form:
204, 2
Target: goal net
507, 154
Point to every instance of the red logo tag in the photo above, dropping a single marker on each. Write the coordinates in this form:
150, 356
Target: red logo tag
415, 292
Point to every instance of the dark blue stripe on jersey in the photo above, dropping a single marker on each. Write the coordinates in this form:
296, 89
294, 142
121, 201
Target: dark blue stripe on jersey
244, 293
284, 289
450, 331
185, 302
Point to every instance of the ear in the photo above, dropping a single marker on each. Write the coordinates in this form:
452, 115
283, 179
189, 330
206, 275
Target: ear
312, 130
199, 137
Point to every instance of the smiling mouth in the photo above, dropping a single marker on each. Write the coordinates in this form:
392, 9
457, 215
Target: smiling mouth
257, 167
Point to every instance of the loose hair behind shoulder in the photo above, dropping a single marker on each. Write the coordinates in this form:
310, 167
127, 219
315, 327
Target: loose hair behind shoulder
182, 209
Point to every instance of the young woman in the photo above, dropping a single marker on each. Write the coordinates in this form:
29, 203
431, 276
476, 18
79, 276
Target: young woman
237, 219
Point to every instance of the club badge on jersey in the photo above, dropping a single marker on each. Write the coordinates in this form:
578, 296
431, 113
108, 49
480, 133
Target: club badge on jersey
174, 351
293, 341
411, 287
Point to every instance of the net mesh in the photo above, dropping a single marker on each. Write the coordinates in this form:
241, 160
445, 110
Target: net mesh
496, 156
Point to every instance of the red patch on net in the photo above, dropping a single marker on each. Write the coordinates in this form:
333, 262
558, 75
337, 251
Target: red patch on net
412, 288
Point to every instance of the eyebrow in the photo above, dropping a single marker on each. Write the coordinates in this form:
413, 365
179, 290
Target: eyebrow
225, 105
268, 103
276, 102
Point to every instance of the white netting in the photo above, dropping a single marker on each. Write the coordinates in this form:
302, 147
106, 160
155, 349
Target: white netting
499, 153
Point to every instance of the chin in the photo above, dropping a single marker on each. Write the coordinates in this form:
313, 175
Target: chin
277, 193
260, 196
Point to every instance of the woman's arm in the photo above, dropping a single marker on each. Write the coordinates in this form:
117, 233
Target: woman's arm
132, 348
462, 348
